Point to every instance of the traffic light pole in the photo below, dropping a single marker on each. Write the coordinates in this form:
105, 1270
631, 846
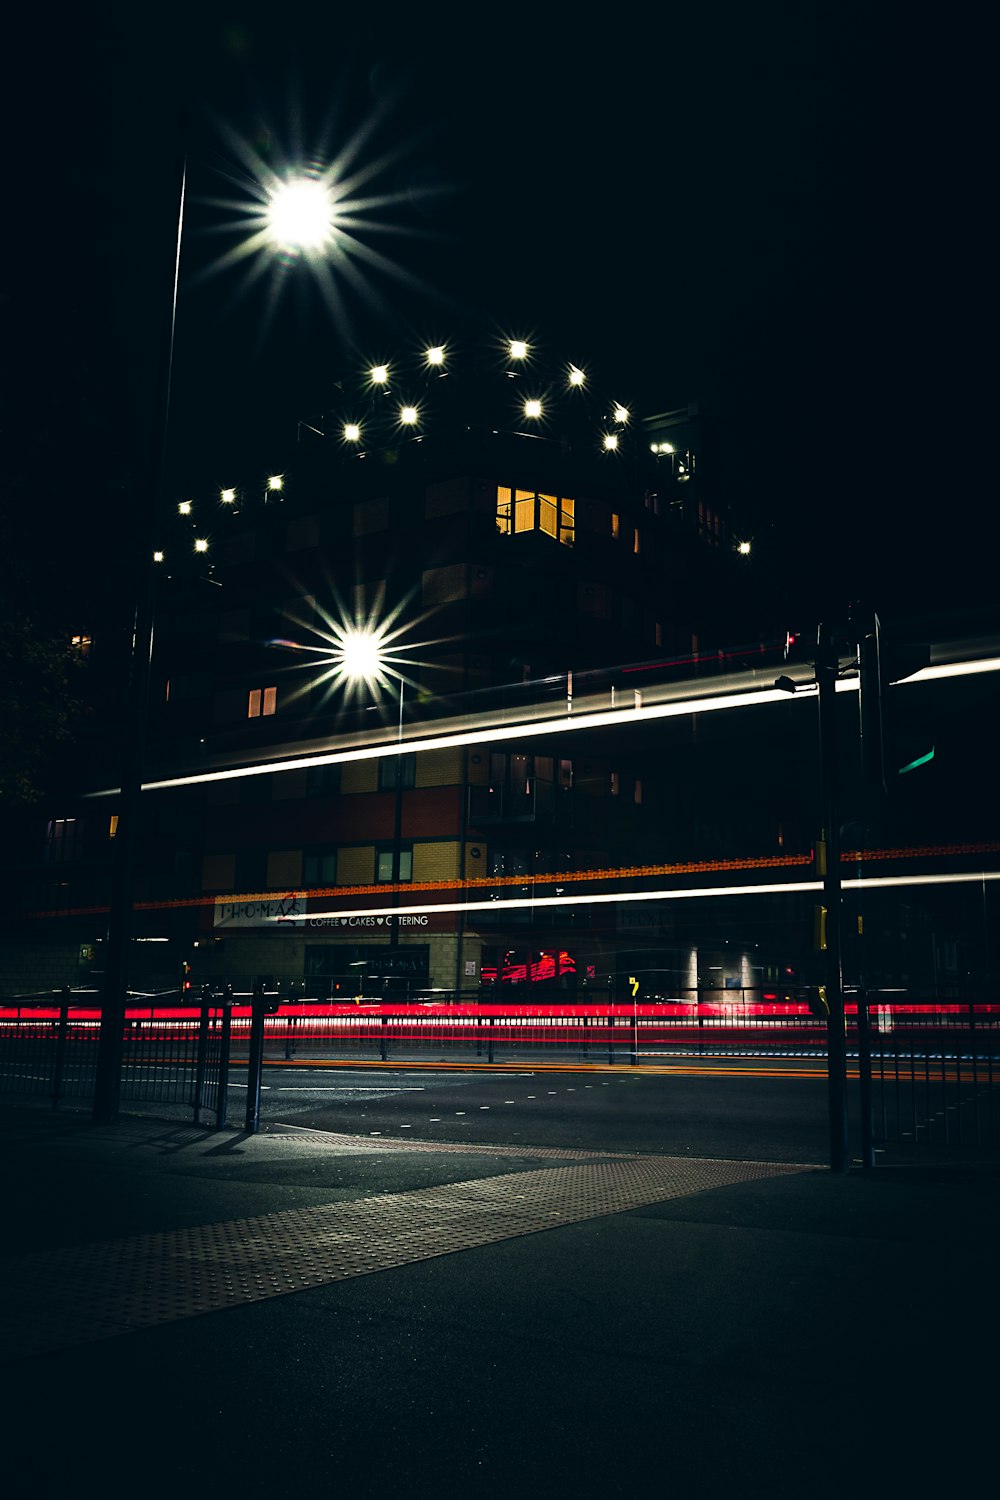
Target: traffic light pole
827, 667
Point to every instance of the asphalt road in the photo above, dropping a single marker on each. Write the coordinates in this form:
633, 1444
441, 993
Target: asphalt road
742, 1115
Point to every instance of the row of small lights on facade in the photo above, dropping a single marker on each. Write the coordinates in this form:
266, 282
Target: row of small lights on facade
409, 416
532, 408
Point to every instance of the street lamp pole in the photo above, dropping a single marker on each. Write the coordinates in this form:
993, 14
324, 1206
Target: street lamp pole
117, 947
827, 670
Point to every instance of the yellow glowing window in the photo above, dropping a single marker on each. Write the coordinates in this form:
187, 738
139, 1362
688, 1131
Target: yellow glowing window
567, 522
113, 826
261, 702
524, 510
636, 544
615, 524
503, 509
547, 514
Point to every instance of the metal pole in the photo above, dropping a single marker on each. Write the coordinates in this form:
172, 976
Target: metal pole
827, 666
255, 1064
107, 1081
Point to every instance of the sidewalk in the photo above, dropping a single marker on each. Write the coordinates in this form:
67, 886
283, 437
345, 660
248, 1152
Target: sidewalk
298, 1311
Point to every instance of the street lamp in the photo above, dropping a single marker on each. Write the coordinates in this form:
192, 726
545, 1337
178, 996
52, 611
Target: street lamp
300, 219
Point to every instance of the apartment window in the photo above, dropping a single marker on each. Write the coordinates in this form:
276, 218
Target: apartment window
616, 524
262, 702
322, 781
319, 867
384, 859
60, 840
392, 766
250, 872
527, 510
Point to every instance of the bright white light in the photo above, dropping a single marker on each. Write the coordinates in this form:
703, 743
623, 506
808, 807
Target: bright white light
435, 356
276, 482
744, 549
518, 349
157, 557
359, 655
201, 545
610, 441
408, 415
532, 408
661, 447
621, 414
184, 508
300, 214
352, 433
378, 374
228, 497
576, 376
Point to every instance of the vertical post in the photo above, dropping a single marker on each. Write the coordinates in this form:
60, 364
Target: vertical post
61, 1039
255, 1064
222, 1101
201, 1057
117, 947
865, 1081
827, 666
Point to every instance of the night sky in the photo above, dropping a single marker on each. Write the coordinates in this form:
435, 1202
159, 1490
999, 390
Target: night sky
778, 211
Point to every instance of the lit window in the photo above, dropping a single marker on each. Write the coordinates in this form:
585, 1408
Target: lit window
636, 541
81, 644
262, 702
524, 510
615, 524
113, 826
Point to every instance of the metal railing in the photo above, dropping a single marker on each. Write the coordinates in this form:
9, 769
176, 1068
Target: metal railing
48, 1050
932, 1064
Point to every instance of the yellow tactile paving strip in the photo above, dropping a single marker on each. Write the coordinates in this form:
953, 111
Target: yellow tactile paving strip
71, 1296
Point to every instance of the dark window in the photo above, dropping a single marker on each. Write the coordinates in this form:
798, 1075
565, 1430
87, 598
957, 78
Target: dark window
391, 766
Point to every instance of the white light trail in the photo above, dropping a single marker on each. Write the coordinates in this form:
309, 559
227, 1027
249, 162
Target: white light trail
619, 717
611, 898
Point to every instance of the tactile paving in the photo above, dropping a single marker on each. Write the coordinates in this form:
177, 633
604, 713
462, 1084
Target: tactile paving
79, 1294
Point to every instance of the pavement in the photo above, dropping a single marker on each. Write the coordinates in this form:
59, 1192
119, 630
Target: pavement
298, 1310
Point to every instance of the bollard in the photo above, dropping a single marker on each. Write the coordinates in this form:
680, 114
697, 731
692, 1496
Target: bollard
222, 1100
255, 1065
201, 1058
